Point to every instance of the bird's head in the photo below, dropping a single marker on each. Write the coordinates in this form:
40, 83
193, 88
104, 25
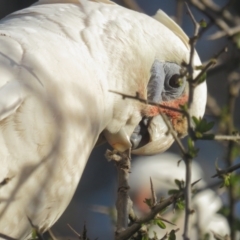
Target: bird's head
166, 85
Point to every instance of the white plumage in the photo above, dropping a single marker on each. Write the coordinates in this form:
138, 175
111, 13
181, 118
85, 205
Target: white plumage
58, 61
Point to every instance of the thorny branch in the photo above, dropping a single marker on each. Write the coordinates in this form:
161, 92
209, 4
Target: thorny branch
151, 215
123, 203
187, 159
227, 170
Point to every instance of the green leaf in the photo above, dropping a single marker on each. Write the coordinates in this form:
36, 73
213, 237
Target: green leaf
184, 107
145, 237
192, 151
226, 180
196, 120
206, 236
199, 67
236, 39
34, 233
173, 191
180, 204
179, 183
202, 78
203, 126
203, 23
160, 224
198, 135
190, 144
148, 201
172, 235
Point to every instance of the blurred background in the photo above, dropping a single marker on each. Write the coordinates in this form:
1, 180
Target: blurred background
96, 192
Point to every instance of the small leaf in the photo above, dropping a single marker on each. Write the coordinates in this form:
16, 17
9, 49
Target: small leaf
178, 183
209, 126
203, 23
34, 233
172, 235
190, 144
198, 135
160, 224
202, 78
173, 191
192, 151
226, 180
196, 120
148, 201
201, 125
236, 39
184, 107
200, 67
145, 237
180, 204
206, 236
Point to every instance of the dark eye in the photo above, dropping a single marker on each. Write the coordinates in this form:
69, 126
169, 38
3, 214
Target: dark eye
175, 81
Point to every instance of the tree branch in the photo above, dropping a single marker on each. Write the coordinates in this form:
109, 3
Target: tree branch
123, 203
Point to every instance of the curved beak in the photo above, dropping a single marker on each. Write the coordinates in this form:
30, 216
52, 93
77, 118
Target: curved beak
158, 138
149, 137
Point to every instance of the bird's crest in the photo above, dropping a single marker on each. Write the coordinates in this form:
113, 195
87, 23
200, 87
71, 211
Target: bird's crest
56, 1
71, 1
103, 1
163, 18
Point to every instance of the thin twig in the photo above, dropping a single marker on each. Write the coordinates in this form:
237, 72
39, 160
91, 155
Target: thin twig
154, 197
52, 235
74, 231
143, 100
192, 42
228, 170
174, 134
227, 138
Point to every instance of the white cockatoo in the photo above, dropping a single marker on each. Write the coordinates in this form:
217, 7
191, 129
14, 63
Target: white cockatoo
164, 169
59, 60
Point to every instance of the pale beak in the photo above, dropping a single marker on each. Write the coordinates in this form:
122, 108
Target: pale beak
159, 139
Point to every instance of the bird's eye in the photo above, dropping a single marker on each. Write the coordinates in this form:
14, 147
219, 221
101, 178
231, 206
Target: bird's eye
175, 81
